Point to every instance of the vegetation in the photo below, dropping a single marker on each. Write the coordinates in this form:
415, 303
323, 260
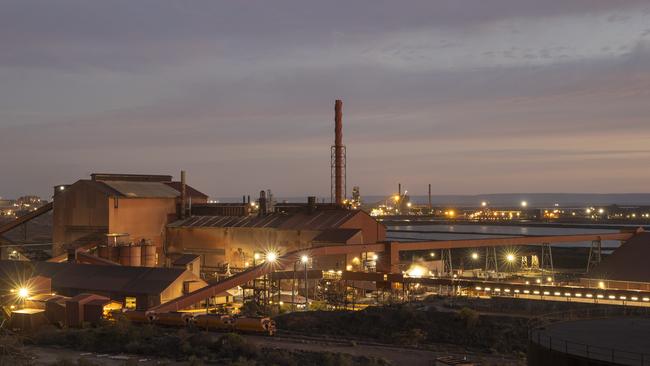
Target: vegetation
406, 324
185, 345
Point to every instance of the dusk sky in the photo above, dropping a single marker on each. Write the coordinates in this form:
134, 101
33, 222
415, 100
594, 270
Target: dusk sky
473, 96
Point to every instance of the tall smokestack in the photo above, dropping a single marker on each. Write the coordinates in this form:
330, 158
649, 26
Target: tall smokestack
338, 151
429, 196
399, 189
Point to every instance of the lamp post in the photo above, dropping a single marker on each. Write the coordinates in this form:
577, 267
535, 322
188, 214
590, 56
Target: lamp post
305, 259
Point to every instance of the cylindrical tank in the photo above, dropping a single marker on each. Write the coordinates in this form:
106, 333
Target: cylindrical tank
108, 252
103, 252
214, 322
131, 256
148, 256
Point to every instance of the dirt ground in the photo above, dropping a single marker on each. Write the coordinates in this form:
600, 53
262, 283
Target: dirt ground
395, 355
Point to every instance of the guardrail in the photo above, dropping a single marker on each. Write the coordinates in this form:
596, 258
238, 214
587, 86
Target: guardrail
608, 354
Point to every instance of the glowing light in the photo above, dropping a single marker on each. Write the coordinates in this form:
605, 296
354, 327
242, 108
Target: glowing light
348, 267
483, 203
256, 256
549, 279
601, 211
409, 204
510, 257
474, 256
524, 203
432, 254
23, 292
304, 259
375, 257
271, 256
601, 284
416, 271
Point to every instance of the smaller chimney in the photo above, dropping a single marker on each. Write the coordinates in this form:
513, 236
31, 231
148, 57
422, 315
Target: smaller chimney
262, 211
399, 189
429, 196
244, 199
183, 212
311, 204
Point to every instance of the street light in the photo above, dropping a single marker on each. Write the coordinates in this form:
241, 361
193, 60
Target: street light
271, 257
475, 256
23, 292
510, 257
524, 203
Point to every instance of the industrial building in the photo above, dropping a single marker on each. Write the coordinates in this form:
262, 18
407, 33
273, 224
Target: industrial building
221, 240
135, 287
128, 207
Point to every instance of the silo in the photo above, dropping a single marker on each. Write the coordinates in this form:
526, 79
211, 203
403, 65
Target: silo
148, 255
131, 256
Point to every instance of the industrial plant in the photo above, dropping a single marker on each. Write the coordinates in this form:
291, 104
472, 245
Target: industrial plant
156, 250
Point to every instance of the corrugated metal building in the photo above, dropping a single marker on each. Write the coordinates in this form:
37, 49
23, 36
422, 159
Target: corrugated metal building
137, 205
235, 240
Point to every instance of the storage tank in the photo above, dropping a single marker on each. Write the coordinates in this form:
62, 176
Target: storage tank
131, 256
108, 252
148, 255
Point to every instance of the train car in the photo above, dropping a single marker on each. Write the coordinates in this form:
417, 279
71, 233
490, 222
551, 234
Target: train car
224, 323
173, 319
255, 325
138, 317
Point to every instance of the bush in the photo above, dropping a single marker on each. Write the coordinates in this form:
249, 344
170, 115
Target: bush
469, 316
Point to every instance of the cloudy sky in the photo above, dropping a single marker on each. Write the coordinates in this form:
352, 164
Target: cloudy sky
472, 96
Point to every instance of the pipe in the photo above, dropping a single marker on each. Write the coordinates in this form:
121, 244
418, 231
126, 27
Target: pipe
338, 151
183, 195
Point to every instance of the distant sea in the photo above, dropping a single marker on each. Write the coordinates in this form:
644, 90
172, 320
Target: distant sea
501, 199
460, 232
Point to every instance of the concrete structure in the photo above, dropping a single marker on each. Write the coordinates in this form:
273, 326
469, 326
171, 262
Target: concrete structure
137, 205
221, 240
604, 341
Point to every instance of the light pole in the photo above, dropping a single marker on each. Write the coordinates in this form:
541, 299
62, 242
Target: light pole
305, 259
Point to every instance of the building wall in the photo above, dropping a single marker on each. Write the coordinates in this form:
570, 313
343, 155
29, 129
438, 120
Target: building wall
235, 246
373, 230
78, 211
176, 288
141, 218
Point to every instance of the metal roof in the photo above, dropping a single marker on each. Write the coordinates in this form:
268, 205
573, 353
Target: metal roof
90, 277
143, 189
319, 220
336, 235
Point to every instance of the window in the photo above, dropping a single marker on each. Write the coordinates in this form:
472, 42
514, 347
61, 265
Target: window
130, 303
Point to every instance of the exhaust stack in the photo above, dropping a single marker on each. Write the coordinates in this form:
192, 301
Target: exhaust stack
338, 157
